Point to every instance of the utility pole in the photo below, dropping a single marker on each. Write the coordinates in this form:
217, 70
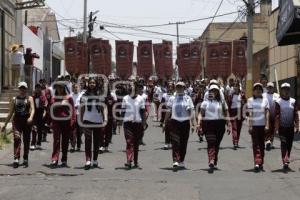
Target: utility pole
177, 29
85, 21
249, 78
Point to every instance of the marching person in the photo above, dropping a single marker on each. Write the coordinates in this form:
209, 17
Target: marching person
77, 132
165, 98
157, 98
63, 117
181, 111
212, 121
93, 114
287, 121
258, 111
134, 122
108, 130
40, 105
272, 97
198, 101
236, 101
47, 120
22, 111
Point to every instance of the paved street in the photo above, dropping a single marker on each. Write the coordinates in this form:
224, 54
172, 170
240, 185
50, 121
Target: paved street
156, 179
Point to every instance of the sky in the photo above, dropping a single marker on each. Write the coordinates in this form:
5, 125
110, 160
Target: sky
144, 12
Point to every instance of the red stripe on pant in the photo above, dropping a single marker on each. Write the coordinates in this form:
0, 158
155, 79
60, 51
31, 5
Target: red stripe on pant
180, 132
237, 124
107, 136
271, 133
20, 127
214, 132
61, 135
92, 134
258, 144
133, 133
73, 136
286, 138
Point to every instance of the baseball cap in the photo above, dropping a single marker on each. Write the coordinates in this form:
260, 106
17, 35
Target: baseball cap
285, 85
22, 84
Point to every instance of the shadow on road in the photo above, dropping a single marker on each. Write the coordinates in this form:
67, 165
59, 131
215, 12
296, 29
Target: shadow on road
283, 171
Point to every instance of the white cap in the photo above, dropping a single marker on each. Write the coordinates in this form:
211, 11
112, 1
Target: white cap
22, 84
212, 87
258, 84
270, 84
285, 85
180, 83
213, 81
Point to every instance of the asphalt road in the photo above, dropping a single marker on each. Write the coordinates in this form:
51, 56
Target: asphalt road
235, 180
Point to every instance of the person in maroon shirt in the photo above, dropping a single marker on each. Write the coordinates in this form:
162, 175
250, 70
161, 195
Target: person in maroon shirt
40, 105
28, 67
107, 136
47, 120
63, 117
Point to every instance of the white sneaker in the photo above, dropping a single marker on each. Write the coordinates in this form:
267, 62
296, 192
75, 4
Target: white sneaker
101, 149
32, 147
166, 146
88, 163
95, 163
181, 165
175, 164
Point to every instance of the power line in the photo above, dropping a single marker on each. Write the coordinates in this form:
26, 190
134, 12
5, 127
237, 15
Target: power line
213, 18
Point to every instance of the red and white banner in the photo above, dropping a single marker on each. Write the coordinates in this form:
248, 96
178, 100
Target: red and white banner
145, 59
82, 55
168, 58
100, 52
194, 70
183, 59
239, 66
219, 59
71, 55
158, 52
124, 58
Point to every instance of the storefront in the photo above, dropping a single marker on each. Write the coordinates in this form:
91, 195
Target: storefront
8, 38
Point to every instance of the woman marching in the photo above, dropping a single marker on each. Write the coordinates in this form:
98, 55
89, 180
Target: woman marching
286, 122
181, 111
63, 117
165, 98
22, 110
134, 122
236, 102
212, 121
94, 117
258, 115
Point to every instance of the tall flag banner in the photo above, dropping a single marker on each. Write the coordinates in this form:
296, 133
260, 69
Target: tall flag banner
100, 52
168, 58
158, 54
225, 59
183, 60
194, 70
71, 55
145, 59
239, 64
82, 53
212, 61
124, 58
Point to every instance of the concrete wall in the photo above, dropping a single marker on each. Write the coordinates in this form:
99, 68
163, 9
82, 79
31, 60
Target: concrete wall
30, 40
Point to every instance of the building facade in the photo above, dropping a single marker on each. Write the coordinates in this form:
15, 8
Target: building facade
10, 34
283, 60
